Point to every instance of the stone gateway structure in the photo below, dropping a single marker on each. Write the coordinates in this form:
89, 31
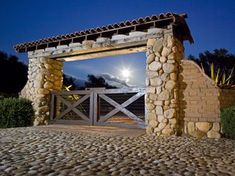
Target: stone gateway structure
180, 99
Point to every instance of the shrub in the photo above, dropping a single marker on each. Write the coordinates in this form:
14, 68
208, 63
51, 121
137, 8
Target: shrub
228, 122
15, 112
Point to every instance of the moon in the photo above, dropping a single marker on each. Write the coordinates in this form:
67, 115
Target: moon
126, 73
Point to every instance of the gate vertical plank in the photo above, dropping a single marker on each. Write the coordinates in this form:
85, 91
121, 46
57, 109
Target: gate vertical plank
53, 104
95, 107
91, 108
145, 110
98, 107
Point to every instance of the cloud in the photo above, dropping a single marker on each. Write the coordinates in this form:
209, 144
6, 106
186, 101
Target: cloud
80, 67
71, 75
114, 80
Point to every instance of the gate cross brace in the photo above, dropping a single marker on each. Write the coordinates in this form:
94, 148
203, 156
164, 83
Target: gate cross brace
121, 107
73, 107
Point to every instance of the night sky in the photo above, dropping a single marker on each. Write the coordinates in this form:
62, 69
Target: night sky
211, 23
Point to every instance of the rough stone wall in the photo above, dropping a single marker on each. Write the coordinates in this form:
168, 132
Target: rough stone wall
163, 58
44, 75
201, 101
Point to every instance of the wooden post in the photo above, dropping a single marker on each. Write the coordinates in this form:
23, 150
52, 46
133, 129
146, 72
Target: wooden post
95, 108
52, 106
91, 109
98, 108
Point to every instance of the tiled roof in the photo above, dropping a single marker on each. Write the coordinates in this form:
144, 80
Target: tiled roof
140, 24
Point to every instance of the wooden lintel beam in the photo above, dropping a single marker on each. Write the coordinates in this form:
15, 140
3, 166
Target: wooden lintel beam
120, 49
103, 54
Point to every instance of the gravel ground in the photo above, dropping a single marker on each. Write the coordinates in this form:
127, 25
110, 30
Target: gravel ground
34, 151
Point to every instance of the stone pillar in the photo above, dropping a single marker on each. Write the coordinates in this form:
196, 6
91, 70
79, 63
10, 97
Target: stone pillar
44, 75
162, 68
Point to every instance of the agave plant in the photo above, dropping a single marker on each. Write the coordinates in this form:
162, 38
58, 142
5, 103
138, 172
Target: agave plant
72, 97
221, 78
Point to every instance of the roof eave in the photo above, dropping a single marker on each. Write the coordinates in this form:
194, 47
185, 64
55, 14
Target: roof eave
160, 20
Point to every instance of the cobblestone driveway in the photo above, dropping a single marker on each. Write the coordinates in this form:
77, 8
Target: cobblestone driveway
34, 151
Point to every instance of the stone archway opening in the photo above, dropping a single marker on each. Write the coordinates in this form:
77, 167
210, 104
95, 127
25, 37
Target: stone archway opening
124, 85
160, 36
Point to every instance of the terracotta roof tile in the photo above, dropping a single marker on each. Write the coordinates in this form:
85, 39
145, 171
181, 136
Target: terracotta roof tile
29, 46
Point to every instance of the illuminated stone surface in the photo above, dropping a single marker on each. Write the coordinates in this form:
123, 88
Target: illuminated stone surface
38, 151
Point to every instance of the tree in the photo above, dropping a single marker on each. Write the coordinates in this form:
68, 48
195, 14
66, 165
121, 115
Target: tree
13, 74
94, 81
220, 58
